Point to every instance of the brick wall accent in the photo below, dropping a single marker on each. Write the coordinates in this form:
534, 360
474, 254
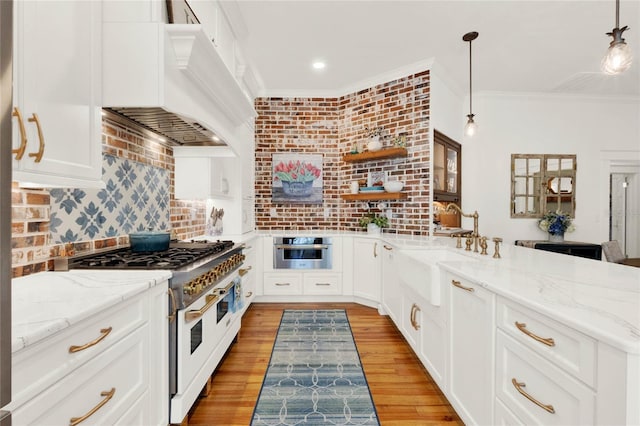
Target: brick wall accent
330, 126
31, 248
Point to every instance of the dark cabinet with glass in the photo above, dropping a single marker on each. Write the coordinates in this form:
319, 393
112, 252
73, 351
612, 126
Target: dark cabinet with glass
447, 169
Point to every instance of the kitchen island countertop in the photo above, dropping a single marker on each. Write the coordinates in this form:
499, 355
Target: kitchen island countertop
48, 302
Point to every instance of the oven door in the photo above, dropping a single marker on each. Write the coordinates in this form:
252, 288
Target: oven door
302, 253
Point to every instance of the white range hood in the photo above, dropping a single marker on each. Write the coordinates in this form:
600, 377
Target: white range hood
176, 69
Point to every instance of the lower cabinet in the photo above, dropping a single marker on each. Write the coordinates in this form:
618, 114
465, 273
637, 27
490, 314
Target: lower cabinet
471, 350
302, 283
367, 268
118, 376
391, 290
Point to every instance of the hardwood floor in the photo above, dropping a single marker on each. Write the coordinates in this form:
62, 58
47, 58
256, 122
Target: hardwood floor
403, 392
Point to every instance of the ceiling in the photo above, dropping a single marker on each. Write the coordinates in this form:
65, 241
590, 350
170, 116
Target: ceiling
524, 46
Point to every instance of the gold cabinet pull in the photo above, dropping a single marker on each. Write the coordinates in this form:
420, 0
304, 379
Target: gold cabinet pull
37, 155
386, 247
519, 386
211, 300
375, 249
414, 310
243, 271
547, 341
104, 332
323, 284
249, 294
457, 284
19, 151
174, 306
107, 396
282, 284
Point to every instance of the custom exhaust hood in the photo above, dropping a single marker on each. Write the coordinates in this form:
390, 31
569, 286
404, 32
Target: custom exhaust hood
170, 79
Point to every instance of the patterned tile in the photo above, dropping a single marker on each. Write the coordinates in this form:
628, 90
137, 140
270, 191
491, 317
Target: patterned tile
136, 198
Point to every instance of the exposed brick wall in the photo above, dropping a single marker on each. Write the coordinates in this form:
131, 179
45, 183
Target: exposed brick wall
330, 127
31, 248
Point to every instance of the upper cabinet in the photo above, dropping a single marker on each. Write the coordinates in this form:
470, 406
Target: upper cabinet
447, 170
57, 94
206, 172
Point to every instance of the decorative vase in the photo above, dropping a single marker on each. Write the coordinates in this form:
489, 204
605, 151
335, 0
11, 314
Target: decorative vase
372, 228
374, 144
297, 189
556, 238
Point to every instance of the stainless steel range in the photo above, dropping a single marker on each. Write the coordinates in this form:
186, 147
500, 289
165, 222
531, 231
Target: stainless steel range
205, 296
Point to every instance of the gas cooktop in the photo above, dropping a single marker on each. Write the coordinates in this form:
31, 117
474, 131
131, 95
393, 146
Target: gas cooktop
179, 255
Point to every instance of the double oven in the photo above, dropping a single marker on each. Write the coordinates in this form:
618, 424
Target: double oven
205, 301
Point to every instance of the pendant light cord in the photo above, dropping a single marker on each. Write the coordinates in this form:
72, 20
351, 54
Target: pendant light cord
470, 82
617, 13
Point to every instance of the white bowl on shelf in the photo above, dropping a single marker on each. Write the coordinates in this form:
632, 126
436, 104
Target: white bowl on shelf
393, 186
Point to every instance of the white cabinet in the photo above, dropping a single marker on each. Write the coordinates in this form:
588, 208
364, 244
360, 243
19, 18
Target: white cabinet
57, 94
202, 173
115, 363
249, 271
282, 283
391, 290
367, 269
471, 349
322, 283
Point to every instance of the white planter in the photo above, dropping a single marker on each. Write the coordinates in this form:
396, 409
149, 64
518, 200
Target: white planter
374, 144
372, 228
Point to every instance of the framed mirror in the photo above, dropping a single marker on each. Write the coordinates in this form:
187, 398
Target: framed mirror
541, 183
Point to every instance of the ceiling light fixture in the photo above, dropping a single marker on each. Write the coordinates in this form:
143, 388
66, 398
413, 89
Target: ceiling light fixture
319, 65
618, 58
471, 126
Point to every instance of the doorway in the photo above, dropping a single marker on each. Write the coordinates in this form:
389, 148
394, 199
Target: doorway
624, 208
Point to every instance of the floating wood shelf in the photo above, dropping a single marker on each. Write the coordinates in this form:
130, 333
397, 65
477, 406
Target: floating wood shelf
375, 155
375, 196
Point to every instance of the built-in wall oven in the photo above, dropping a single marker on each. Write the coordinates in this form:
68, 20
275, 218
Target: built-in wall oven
302, 253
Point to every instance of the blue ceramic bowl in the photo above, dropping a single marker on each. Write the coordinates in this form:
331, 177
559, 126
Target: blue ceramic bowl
149, 241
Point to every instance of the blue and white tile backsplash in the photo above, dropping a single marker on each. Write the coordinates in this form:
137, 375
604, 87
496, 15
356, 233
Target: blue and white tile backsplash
136, 198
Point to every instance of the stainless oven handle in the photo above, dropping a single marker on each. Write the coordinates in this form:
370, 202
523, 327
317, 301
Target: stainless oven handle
212, 299
301, 246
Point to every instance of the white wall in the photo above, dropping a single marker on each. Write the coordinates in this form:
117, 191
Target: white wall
591, 128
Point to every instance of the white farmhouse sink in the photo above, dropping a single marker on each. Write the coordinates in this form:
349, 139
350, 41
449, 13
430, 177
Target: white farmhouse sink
419, 269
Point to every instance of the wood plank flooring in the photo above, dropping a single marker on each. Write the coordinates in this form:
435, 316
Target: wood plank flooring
403, 392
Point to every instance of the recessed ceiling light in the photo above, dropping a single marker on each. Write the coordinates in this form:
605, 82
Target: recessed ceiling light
215, 138
318, 65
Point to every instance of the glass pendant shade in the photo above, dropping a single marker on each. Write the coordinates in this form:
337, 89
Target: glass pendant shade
471, 126
618, 58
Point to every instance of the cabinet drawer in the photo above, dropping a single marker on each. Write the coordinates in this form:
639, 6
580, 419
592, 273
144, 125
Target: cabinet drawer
569, 349
122, 370
282, 284
542, 384
33, 372
322, 284
504, 417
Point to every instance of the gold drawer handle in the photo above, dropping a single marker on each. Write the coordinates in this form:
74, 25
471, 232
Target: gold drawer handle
282, 284
107, 396
194, 314
523, 327
457, 284
519, 386
386, 247
104, 332
414, 310
375, 249
37, 155
323, 284
19, 152
243, 271
249, 294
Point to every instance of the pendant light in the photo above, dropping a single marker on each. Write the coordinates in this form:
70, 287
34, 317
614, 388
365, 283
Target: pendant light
471, 126
618, 58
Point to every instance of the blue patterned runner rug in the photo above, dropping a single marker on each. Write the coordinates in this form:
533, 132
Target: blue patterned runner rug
314, 375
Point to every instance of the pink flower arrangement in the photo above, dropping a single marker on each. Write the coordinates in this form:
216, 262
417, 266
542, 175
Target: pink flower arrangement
296, 172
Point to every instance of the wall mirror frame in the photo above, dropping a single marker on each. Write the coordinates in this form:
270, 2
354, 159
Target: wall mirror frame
542, 183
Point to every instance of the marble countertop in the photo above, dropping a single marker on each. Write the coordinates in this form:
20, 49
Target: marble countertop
47, 302
600, 299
